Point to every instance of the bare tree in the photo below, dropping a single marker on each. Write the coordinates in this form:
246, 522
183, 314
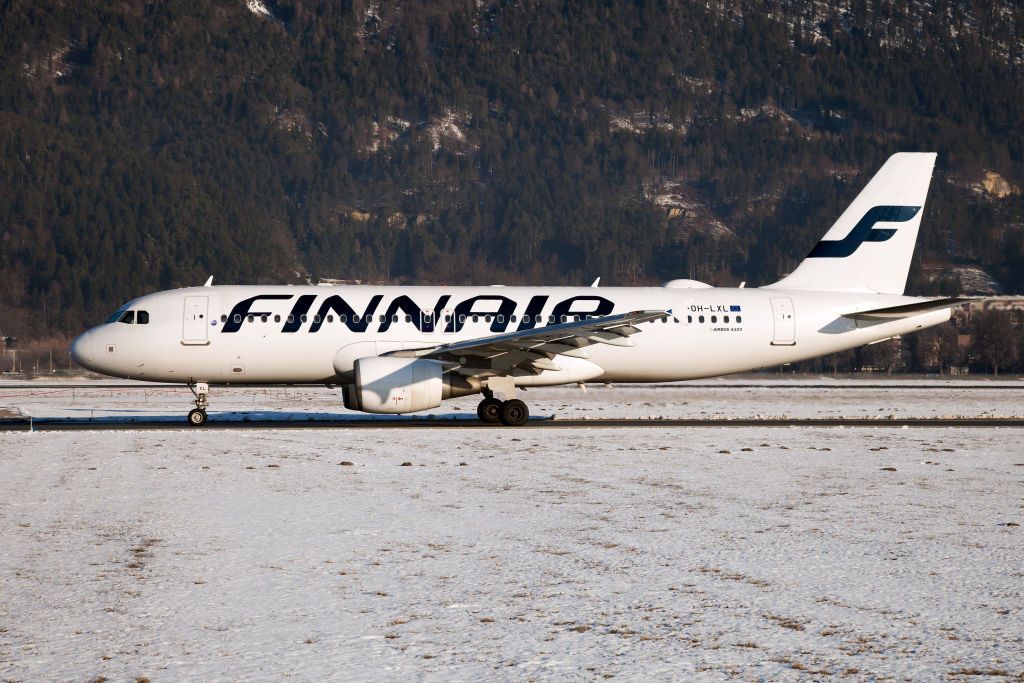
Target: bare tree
936, 348
995, 340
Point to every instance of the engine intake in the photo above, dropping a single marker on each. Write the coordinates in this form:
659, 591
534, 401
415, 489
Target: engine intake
395, 386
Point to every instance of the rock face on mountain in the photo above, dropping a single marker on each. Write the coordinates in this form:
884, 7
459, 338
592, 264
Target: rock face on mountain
146, 145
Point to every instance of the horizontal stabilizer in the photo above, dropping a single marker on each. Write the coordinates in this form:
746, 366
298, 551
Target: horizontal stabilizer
910, 310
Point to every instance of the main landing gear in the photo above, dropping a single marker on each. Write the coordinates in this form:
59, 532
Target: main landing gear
511, 413
197, 416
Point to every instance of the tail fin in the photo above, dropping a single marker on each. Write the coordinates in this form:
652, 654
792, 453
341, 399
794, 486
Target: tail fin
869, 248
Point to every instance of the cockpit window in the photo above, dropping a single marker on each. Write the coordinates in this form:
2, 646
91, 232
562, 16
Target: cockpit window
142, 318
128, 317
115, 317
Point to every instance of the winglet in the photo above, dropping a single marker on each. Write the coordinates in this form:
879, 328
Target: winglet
209, 282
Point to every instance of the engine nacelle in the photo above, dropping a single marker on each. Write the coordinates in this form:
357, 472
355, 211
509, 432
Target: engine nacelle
403, 385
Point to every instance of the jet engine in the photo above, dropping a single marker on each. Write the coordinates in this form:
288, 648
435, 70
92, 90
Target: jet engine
391, 385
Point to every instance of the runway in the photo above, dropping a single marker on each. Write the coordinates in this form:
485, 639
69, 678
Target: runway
178, 423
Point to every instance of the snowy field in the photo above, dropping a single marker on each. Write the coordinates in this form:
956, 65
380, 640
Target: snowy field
640, 554
719, 399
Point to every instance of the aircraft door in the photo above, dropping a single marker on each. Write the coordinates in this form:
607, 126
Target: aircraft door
784, 332
426, 321
195, 324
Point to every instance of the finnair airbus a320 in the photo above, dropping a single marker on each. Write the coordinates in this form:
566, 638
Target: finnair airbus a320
405, 349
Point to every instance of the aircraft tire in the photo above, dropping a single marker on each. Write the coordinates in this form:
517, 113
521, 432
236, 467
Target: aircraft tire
489, 411
197, 417
514, 413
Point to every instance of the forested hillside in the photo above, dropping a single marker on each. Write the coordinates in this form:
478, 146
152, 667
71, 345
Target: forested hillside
146, 145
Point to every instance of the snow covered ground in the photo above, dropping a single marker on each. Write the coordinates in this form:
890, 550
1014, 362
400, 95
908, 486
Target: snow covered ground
763, 554
723, 398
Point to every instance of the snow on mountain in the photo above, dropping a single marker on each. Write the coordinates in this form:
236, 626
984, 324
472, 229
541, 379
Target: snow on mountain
258, 8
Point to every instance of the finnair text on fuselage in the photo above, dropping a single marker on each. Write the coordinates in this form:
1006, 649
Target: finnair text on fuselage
503, 312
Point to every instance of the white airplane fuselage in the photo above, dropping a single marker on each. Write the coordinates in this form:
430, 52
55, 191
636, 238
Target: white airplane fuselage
190, 337
406, 349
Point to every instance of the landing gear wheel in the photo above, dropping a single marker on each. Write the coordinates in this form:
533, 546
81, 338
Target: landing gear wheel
489, 411
514, 413
197, 417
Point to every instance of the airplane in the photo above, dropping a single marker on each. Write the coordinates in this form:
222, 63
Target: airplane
398, 349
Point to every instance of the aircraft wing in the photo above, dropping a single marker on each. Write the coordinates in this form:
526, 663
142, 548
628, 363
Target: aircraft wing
908, 310
533, 350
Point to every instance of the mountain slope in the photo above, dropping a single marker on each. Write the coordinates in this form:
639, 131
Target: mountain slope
147, 145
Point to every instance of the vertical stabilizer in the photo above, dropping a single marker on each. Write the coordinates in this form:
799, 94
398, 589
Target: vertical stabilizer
870, 247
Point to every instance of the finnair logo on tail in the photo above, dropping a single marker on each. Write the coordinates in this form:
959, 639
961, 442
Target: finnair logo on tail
865, 231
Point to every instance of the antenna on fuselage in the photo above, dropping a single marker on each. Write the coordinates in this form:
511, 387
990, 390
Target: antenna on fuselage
596, 282
209, 282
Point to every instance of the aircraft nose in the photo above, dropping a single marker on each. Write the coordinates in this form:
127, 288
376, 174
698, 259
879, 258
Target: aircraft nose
82, 349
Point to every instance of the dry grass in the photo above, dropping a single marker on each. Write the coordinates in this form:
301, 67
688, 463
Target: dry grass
785, 622
142, 552
733, 576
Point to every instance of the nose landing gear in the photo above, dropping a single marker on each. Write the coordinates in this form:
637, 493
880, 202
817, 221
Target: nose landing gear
197, 416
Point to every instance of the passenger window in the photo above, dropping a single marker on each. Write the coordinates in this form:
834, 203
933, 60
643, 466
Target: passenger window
562, 319
487, 318
303, 318
263, 318
512, 318
462, 319
382, 317
143, 318
394, 318
238, 318
664, 320
291, 318
330, 318
128, 318
725, 318
316, 319
700, 319
689, 319
714, 318
251, 317
277, 318
501, 319
343, 318
408, 318
223, 318
551, 320
476, 318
